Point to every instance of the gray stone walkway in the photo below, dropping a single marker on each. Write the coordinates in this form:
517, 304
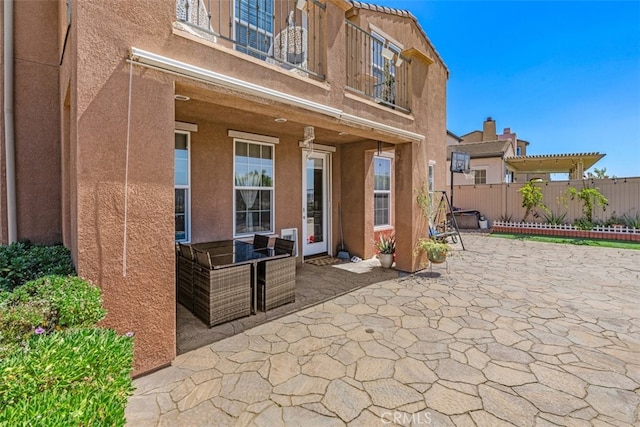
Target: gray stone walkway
519, 333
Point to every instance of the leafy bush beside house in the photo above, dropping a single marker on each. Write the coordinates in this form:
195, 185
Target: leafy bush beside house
21, 262
50, 303
56, 367
74, 301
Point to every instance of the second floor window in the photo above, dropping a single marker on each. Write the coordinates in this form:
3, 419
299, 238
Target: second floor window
254, 26
480, 176
383, 68
381, 191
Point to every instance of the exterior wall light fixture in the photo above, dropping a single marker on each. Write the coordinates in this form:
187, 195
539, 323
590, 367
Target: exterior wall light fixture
387, 53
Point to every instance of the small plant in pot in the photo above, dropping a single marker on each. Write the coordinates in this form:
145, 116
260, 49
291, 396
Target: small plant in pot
436, 250
386, 247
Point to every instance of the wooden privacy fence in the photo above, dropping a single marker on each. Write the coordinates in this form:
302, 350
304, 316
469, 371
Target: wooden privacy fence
501, 201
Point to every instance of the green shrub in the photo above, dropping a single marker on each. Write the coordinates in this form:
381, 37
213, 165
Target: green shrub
77, 377
18, 322
590, 199
531, 199
21, 262
583, 224
50, 303
74, 301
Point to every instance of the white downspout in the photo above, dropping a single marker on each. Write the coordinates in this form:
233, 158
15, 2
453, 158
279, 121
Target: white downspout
9, 134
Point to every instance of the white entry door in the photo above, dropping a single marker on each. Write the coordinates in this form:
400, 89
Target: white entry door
315, 203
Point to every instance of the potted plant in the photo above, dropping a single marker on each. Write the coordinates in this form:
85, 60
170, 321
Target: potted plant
386, 247
435, 250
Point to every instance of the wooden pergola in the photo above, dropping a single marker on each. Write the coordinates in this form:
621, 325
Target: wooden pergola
573, 164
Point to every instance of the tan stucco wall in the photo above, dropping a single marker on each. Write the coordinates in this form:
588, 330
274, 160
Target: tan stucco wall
357, 194
143, 301
36, 111
428, 117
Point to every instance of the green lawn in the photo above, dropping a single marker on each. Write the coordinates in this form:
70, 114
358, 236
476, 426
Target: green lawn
571, 240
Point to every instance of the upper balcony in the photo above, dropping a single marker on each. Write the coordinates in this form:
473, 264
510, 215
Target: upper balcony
289, 33
376, 68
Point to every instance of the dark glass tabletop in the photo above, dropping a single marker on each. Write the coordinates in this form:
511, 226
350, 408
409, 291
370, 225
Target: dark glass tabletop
235, 252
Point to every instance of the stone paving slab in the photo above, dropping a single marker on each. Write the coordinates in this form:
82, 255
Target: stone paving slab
519, 333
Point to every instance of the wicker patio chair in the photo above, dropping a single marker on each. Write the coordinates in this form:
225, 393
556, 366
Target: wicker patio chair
260, 241
221, 295
202, 258
277, 278
283, 245
276, 283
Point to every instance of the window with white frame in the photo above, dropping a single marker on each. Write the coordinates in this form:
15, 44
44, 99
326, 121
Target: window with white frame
182, 178
480, 176
382, 191
383, 69
254, 26
253, 187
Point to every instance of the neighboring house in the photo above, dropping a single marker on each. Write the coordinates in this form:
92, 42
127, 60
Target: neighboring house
488, 152
139, 124
452, 138
487, 162
503, 158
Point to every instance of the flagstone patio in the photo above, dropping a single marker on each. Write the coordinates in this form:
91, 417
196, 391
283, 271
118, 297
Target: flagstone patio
519, 333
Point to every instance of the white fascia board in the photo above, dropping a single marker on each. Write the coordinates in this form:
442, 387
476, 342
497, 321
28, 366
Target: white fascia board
318, 147
253, 137
351, 119
189, 127
163, 63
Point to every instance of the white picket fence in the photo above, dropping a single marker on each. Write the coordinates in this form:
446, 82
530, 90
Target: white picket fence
543, 226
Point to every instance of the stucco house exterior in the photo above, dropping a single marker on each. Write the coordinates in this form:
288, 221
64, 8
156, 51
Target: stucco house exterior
129, 126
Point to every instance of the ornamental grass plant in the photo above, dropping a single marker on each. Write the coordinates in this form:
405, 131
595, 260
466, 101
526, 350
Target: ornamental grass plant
386, 244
